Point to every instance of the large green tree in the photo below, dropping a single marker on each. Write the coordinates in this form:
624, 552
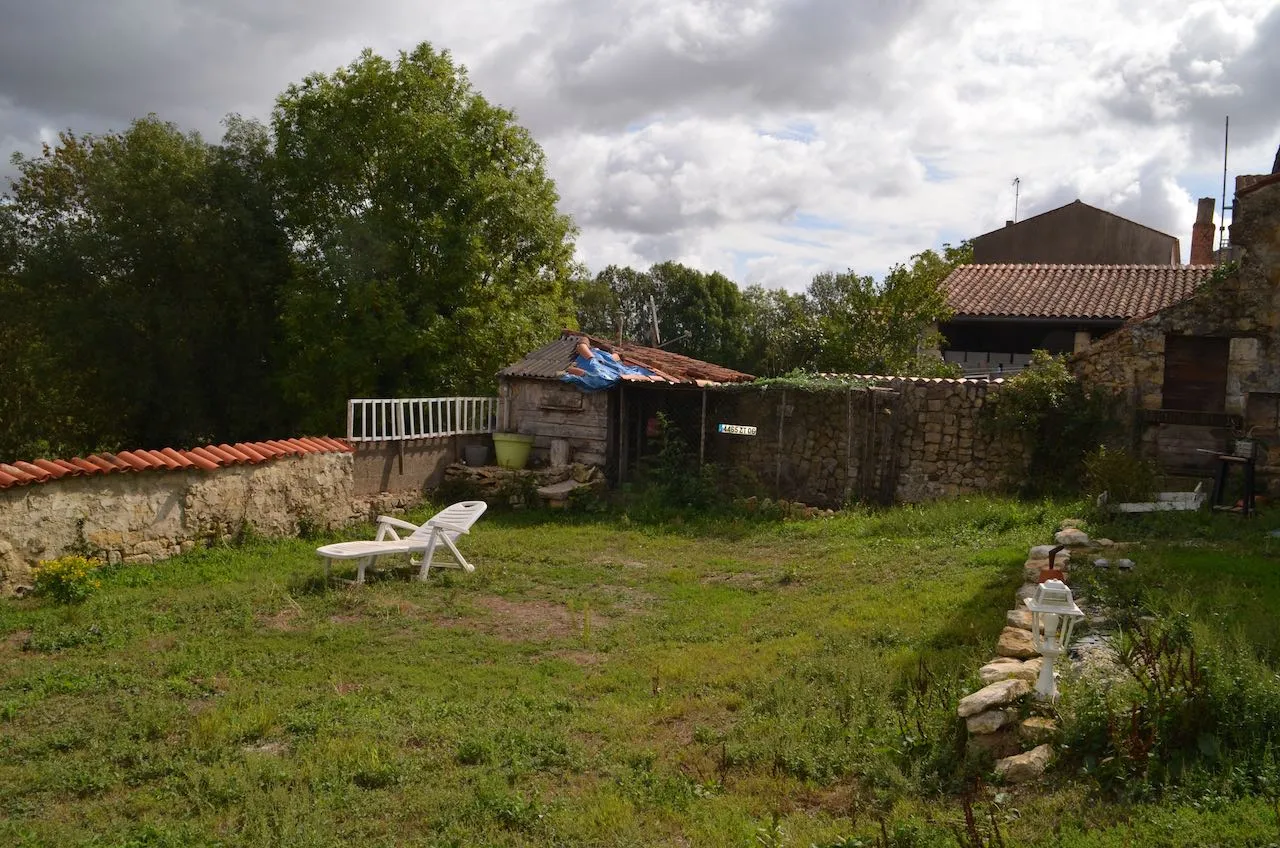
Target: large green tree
143, 270
888, 327
699, 314
429, 248
780, 332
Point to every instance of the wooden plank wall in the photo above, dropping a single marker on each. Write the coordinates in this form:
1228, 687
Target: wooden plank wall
549, 409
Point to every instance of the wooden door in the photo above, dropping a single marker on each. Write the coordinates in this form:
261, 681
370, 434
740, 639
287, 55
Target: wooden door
1195, 373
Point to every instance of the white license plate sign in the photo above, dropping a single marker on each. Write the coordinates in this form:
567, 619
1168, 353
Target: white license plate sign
736, 429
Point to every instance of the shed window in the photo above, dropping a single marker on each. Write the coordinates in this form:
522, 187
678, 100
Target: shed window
1195, 373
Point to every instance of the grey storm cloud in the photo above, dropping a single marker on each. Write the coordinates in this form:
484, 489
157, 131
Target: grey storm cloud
609, 65
793, 131
1203, 80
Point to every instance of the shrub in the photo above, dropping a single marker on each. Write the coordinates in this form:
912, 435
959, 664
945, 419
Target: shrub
1123, 476
68, 579
1057, 420
1187, 714
683, 483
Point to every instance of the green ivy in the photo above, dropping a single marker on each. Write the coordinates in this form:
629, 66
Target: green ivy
1056, 419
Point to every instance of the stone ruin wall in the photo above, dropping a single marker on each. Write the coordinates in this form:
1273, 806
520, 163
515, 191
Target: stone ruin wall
904, 440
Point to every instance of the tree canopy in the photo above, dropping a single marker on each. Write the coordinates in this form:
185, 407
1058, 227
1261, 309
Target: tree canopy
143, 273
842, 322
389, 233
430, 251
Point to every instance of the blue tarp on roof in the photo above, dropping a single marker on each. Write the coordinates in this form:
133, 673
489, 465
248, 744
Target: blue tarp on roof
602, 371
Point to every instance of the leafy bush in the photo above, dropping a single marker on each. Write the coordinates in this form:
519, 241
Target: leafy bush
677, 476
1055, 418
68, 579
1187, 713
1124, 477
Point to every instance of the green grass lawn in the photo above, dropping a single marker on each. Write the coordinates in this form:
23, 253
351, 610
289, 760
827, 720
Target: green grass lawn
594, 682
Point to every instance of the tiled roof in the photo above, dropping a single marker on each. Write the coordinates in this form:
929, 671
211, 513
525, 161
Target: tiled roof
206, 458
1070, 291
550, 361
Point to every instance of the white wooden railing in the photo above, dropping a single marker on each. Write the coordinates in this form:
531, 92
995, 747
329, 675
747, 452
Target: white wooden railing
396, 419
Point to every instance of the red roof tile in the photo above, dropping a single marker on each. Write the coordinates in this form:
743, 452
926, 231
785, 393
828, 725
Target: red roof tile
55, 470
1070, 291
206, 458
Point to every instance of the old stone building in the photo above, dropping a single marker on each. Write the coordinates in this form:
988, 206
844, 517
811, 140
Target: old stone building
1205, 369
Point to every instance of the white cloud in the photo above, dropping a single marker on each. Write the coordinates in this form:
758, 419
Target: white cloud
768, 139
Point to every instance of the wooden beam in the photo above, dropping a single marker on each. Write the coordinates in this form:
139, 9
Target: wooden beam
702, 443
622, 434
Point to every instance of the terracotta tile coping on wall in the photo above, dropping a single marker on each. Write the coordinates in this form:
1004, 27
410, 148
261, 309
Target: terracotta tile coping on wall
207, 458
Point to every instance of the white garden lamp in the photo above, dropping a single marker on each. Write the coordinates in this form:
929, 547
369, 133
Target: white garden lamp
1053, 616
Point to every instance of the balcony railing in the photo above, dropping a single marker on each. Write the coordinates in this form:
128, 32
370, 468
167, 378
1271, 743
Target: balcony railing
401, 419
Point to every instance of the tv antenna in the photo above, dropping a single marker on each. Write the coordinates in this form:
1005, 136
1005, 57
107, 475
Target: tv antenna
1222, 222
653, 315
1017, 187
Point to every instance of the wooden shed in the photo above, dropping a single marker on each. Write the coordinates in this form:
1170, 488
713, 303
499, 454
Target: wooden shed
608, 428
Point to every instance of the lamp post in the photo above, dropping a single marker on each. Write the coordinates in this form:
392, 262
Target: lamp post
1053, 616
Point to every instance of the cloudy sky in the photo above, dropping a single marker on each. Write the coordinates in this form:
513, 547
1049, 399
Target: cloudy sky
768, 139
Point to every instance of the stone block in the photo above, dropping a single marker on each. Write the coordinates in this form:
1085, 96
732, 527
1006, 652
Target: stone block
1071, 537
989, 721
1002, 743
1022, 768
1016, 643
1038, 730
994, 695
1020, 619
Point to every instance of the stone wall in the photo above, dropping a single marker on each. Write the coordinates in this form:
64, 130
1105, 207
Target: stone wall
413, 465
900, 440
1243, 306
147, 516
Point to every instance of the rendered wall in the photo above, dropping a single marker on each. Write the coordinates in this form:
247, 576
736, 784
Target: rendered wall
148, 516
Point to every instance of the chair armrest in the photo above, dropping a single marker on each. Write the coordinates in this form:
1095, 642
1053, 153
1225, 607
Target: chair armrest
396, 522
444, 525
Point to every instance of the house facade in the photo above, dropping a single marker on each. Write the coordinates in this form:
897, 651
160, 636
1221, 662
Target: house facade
1004, 312
1198, 372
1060, 280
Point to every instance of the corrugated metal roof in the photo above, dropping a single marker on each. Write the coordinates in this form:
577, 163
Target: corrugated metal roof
549, 362
1070, 291
207, 458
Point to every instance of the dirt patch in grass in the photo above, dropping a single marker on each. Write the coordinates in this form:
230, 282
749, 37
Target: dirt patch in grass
404, 607
741, 580
586, 659
283, 620
15, 641
523, 621
840, 800
274, 749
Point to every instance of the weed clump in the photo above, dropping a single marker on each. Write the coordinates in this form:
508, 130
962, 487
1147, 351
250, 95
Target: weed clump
69, 579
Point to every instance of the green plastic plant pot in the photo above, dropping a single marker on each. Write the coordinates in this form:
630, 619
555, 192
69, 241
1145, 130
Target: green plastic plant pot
512, 449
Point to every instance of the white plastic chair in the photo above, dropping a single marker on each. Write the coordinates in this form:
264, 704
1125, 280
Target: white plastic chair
443, 528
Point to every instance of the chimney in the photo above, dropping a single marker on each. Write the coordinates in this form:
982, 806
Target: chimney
1202, 233
1008, 223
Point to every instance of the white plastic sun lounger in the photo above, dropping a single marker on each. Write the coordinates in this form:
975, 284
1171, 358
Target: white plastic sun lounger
443, 528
